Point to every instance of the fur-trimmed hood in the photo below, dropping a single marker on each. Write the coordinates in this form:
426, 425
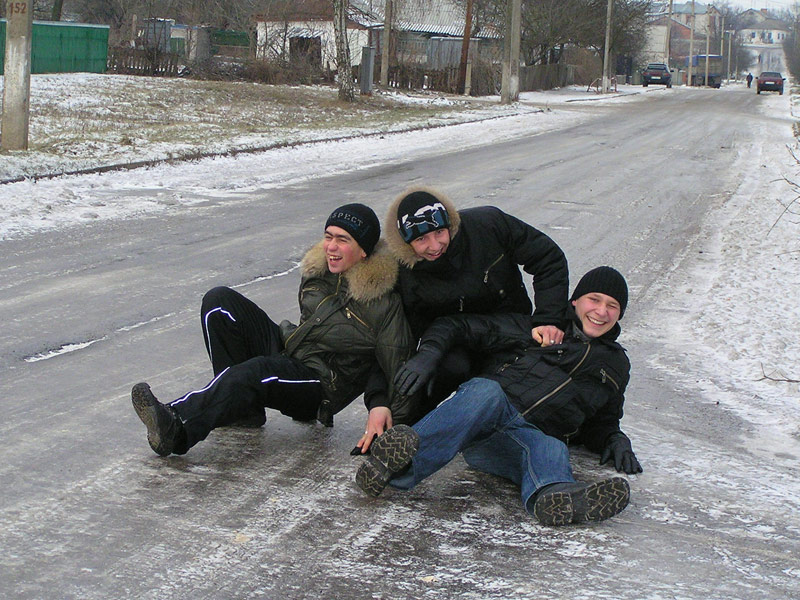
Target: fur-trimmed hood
402, 251
368, 280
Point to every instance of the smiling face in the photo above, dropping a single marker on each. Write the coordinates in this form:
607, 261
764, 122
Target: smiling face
597, 312
341, 250
432, 245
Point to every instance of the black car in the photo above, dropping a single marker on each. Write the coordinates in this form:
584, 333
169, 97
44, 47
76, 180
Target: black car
770, 81
656, 73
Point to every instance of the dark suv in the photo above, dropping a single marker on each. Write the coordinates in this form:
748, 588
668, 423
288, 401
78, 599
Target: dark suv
656, 73
770, 81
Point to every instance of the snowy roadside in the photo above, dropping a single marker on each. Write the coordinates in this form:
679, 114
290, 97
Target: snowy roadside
728, 312
389, 132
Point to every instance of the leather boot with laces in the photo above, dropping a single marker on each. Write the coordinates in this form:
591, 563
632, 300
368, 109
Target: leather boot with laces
164, 428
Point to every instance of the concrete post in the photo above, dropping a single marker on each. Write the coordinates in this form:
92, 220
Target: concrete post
509, 86
609, 9
690, 76
386, 44
17, 80
366, 71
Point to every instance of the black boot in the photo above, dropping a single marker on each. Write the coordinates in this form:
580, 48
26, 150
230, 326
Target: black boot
164, 428
564, 503
389, 454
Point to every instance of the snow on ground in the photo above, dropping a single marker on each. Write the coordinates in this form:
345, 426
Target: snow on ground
731, 324
736, 301
32, 204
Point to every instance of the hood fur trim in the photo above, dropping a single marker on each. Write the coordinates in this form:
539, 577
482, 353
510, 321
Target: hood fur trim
368, 280
403, 252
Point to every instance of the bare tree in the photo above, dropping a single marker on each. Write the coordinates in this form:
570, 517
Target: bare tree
550, 25
344, 71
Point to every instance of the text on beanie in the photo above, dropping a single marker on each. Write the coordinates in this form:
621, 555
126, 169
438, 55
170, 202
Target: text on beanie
360, 221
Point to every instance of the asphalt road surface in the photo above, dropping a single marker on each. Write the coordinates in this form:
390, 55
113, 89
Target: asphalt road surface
88, 511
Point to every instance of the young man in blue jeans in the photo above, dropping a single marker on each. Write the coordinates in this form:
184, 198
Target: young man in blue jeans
532, 399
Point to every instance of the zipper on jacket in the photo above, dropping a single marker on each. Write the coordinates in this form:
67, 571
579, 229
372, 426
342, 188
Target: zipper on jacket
570, 434
461, 304
486, 273
583, 358
609, 377
563, 384
351, 315
315, 320
546, 396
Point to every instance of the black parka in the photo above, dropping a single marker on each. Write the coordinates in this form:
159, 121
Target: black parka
480, 272
351, 324
573, 391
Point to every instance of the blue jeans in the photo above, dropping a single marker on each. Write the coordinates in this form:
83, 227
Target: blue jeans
480, 422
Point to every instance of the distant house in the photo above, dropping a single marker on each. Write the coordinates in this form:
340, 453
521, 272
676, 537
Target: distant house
303, 30
424, 32
768, 31
704, 16
655, 47
753, 16
763, 34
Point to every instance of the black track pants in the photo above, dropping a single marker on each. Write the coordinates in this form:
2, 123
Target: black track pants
250, 373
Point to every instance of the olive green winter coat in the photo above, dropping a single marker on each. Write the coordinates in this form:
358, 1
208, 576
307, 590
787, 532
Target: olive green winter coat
351, 324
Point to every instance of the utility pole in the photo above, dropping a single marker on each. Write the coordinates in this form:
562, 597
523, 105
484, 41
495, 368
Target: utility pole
462, 67
605, 50
17, 80
509, 91
387, 42
722, 38
690, 72
730, 44
668, 43
708, 43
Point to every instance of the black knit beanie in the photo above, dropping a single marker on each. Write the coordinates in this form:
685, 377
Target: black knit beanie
360, 221
420, 213
607, 281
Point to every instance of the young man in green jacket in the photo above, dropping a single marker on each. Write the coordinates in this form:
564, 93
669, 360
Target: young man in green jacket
351, 328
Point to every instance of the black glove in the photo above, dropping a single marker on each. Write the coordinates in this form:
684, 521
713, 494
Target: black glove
417, 371
619, 447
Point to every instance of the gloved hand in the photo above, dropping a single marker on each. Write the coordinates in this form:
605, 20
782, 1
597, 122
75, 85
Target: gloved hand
417, 371
619, 448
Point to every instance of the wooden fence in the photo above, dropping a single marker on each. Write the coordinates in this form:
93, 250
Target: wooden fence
485, 78
545, 77
135, 61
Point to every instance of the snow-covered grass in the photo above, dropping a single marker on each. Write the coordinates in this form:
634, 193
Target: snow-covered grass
80, 120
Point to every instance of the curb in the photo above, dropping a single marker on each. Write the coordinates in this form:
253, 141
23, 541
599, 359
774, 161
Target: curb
236, 151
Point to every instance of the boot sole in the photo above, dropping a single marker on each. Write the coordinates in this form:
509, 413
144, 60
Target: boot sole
390, 453
597, 502
144, 403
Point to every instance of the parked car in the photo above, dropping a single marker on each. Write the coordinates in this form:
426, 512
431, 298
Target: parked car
656, 73
770, 81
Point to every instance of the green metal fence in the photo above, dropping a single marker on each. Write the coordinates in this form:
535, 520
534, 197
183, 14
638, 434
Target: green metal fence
64, 47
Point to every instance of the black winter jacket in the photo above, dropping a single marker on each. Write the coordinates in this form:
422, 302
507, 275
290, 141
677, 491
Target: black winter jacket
480, 272
573, 391
351, 324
